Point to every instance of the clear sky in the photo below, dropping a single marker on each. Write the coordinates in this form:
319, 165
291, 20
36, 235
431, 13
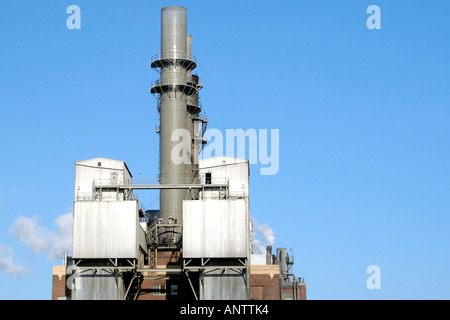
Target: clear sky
363, 117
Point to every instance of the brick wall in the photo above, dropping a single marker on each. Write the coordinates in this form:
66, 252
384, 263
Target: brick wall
59, 287
302, 291
265, 282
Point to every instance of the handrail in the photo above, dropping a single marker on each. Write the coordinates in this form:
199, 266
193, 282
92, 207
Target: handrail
173, 55
155, 83
169, 82
292, 278
217, 180
90, 196
118, 182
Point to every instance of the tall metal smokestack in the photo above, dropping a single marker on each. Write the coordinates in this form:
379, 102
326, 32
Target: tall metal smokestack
189, 120
172, 91
193, 122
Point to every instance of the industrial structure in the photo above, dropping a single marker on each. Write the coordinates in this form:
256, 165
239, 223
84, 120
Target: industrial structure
198, 244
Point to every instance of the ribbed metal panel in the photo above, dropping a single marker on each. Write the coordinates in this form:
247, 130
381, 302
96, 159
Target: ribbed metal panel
224, 285
215, 229
107, 229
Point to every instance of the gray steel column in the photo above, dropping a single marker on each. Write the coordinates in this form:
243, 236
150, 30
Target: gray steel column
190, 121
193, 109
173, 90
173, 106
189, 53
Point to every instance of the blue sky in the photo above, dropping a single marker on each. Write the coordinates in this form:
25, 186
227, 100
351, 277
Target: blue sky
363, 117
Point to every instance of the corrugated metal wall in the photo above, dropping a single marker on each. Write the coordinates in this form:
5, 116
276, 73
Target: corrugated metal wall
224, 285
104, 230
101, 285
215, 229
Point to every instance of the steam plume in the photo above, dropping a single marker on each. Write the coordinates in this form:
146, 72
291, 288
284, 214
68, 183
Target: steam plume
267, 235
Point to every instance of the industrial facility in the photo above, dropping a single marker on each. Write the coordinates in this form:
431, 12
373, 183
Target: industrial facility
198, 244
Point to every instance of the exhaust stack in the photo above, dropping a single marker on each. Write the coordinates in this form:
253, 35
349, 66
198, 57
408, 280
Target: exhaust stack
173, 91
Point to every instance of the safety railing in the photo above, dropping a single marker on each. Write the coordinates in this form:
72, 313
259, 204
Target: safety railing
173, 55
111, 182
104, 196
164, 234
213, 180
84, 196
121, 182
155, 83
158, 82
237, 194
222, 195
291, 278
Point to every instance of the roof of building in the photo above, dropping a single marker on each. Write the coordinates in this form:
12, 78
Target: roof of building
105, 163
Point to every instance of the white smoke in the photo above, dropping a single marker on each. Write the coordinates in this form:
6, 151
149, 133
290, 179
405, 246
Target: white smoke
258, 246
42, 240
266, 233
7, 264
